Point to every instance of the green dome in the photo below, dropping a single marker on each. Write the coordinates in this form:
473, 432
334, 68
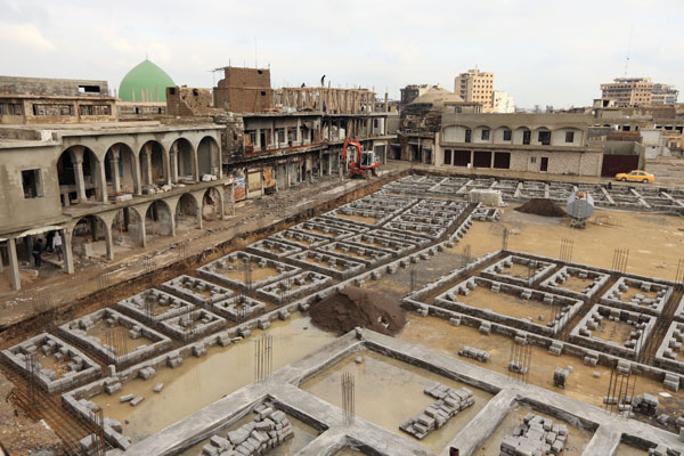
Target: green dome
145, 82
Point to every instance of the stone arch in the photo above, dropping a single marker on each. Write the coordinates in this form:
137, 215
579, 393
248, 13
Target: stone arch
537, 138
159, 220
128, 228
499, 134
91, 237
153, 160
79, 175
183, 160
188, 213
519, 134
208, 157
212, 204
454, 133
122, 170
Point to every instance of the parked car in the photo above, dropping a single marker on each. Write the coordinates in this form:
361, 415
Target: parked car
636, 176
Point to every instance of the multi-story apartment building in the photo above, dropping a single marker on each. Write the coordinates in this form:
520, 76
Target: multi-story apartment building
626, 92
476, 86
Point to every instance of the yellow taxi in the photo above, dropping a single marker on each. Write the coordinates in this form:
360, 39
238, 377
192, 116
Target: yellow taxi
636, 176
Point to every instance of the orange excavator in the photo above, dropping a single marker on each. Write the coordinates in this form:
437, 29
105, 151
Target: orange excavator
359, 162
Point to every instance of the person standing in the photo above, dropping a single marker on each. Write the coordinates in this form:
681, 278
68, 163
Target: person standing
57, 245
38, 252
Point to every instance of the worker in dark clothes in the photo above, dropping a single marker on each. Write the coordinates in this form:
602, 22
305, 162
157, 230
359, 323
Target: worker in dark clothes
38, 252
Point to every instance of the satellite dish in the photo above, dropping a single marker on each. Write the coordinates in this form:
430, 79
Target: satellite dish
579, 206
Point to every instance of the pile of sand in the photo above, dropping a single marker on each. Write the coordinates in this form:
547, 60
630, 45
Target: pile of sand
543, 207
354, 307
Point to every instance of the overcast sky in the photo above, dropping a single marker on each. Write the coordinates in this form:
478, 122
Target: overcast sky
541, 51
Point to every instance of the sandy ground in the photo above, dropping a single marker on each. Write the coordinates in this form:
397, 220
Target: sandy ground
586, 384
388, 392
655, 242
200, 381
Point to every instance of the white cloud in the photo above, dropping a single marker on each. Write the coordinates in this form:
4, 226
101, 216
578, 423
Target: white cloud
25, 35
541, 51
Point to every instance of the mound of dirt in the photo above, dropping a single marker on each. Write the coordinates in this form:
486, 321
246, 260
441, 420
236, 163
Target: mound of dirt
354, 307
541, 206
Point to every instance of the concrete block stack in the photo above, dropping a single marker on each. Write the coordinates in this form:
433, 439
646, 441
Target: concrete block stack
267, 431
448, 404
662, 450
474, 353
671, 381
560, 377
646, 404
535, 436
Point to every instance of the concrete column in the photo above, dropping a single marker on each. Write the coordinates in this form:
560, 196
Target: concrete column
114, 169
472, 159
109, 242
195, 166
200, 221
148, 164
143, 233
320, 163
222, 204
137, 179
77, 160
273, 135
15, 277
2, 264
287, 174
257, 141
173, 156
166, 162
172, 219
261, 180
330, 164
68, 252
232, 199
102, 181
298, 135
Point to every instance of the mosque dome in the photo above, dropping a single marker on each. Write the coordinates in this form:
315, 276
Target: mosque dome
438, 97
145, 82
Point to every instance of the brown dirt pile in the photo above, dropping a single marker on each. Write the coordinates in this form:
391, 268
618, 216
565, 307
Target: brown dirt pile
541, 206
354, 307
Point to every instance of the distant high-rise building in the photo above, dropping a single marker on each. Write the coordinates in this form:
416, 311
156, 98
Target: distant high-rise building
476, 86
502, 102
638, 92
664, 94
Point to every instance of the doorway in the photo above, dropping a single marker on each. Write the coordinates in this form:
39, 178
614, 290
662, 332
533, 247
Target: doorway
544, 166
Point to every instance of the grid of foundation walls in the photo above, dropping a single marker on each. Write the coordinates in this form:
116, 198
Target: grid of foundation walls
624, 196
203, 293
328, 230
